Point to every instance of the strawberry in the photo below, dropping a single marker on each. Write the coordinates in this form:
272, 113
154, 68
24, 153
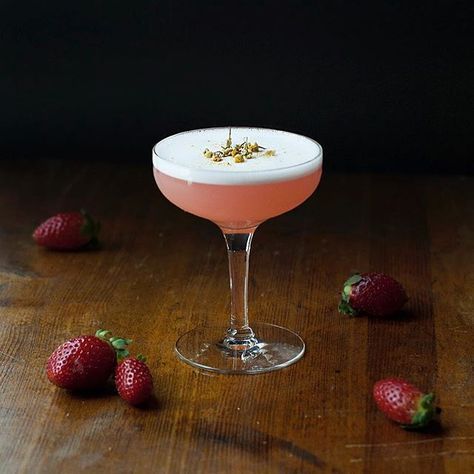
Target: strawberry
404, 403
67, 231
85, 362
133, 380
376, 294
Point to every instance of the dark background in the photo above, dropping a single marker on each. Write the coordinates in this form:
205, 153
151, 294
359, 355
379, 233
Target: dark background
383, 85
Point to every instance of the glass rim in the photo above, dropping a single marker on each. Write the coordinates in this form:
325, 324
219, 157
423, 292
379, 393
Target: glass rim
319, 155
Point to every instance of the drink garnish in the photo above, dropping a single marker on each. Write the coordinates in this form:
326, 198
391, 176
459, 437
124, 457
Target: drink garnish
240, 152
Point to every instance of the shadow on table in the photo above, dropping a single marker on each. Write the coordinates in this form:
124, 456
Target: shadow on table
109, 391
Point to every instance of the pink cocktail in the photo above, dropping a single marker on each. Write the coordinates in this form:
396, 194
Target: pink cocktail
247, 205
238, 196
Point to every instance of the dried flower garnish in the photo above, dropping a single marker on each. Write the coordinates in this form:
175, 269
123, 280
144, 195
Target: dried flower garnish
239, 152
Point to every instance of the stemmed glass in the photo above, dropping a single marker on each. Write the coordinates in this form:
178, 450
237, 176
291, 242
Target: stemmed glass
238, 198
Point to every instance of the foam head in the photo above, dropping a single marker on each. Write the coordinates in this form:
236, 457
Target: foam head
181, 156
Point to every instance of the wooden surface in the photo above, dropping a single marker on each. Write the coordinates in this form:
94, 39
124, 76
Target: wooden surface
161, 272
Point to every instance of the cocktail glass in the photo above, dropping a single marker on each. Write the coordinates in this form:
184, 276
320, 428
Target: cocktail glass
238, 199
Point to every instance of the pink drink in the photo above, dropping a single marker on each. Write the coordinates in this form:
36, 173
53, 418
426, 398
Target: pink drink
237, 196
236, 207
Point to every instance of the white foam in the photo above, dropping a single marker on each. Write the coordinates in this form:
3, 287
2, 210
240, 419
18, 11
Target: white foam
181, 156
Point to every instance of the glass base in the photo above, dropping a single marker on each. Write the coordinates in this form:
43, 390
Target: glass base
276, 348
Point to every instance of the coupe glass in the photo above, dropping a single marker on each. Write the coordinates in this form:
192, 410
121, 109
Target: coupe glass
238, 201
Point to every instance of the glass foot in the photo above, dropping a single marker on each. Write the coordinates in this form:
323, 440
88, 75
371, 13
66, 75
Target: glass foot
276, 348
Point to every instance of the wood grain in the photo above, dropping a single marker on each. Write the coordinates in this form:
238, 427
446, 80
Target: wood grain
161, 271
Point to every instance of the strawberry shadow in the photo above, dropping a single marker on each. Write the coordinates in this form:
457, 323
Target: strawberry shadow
106, 391
404, 315
152, 404
85, 249
434, 428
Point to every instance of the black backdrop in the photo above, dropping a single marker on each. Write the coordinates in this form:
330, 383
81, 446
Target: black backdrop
383, 85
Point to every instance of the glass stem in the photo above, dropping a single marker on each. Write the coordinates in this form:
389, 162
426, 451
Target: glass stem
240, 336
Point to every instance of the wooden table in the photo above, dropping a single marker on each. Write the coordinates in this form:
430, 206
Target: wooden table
161, 272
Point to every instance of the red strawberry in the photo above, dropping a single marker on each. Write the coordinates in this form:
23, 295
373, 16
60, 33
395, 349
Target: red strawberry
67, 231
133, 380
376, 294
85, 362
404, 403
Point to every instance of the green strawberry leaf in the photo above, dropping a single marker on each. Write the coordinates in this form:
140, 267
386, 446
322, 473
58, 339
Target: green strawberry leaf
352, 280
119, 342
344, 305
345, 308
122, 354
103, 334
90, 228
424, 414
